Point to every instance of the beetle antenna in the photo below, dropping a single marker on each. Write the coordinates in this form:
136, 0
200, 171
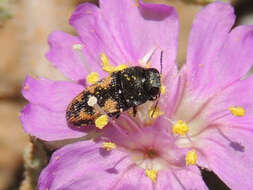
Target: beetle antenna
155, 106
161, 69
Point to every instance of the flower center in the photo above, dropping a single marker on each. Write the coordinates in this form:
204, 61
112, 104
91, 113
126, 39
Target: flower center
150, 153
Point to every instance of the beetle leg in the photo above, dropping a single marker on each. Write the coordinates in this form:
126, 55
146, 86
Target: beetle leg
117, 115
134, 111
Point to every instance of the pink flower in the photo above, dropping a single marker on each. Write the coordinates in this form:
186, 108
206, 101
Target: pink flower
205, 116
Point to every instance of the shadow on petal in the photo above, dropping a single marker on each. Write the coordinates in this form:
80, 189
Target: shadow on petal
237, 146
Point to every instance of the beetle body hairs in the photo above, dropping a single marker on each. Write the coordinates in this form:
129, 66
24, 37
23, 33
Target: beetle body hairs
120, 91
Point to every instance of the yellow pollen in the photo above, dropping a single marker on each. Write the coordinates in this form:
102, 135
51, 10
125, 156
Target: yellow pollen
237, 111
120, 67
152, 174
104, 59
163, 89
92, 78
180, 128
109, 68
156, 112
77, 47
191, 158
101, 121
108, 146
105, 63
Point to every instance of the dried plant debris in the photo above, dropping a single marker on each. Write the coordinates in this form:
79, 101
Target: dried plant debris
5, 12
35, 159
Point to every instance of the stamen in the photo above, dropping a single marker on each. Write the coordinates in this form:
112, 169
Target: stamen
191, 158
78, 48
180, 128
237, 111
109, 146
92, 78
154, 113
109, 68
105, 63
152, 174
120, 67
147, 57
101, 121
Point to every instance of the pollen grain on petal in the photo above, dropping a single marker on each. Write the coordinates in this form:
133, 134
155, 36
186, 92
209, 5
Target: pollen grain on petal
101, 121
92, 78
155, 112
77, 47
191, 158
109, 146
180, 128
152, 174
237, 111
26, 87
163, 89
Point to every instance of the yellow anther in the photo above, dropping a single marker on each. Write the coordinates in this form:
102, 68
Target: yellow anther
154, 113
105, 63
152, 174
237, 111
109, 68
92, 78
191, 158
163, 89
101, 121
120, 67
104, 59
180, 128
77, 47
108, 146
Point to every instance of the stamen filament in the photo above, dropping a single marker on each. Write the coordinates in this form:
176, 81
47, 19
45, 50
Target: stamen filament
78, 48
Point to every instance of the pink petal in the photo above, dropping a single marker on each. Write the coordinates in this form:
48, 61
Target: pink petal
238, 94
209, 33
230, 156
180, 179
236, 56
63, 57
54, 96
47, 125
126, 31
84, 165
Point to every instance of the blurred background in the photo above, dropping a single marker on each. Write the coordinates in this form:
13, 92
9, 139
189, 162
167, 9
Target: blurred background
24, 27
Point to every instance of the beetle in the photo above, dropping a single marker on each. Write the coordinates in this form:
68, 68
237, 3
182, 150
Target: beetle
120, 91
